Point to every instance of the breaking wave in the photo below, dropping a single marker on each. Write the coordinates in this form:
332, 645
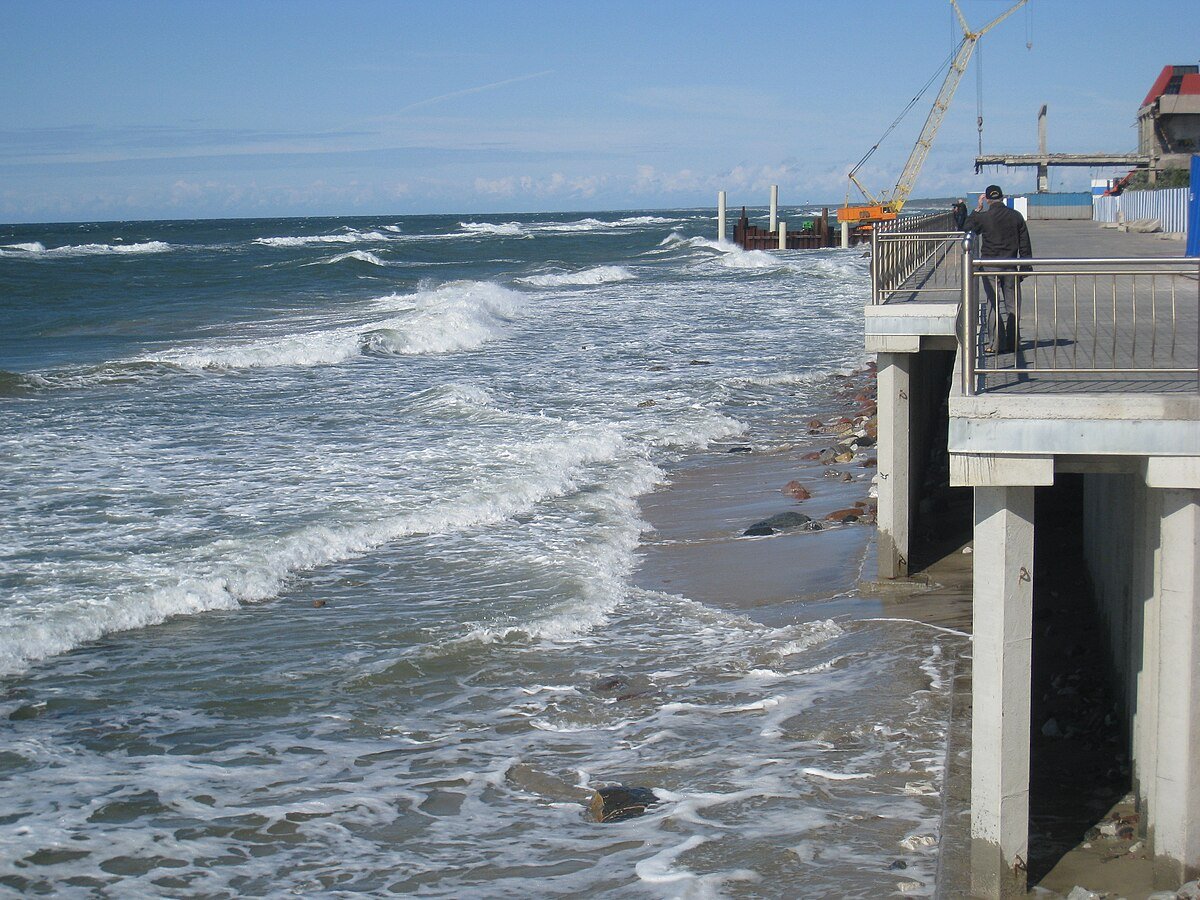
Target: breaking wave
358, 255
258, 569
455, 316
529, 229
37, 250
506, 229
348, 237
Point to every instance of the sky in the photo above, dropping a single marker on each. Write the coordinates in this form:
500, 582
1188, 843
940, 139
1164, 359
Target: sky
126, 109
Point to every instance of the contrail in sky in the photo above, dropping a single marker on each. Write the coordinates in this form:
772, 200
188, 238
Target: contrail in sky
472, 90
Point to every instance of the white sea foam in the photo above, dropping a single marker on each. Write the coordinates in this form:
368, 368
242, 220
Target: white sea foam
348, 237
36, 250
257, 569
592, 276
456, 316
602, 567
645, 220
835, 776
749, 259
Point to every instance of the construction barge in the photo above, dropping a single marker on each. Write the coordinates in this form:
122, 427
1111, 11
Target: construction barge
813, 234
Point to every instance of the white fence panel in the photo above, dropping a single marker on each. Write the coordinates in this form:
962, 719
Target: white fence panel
1169, 206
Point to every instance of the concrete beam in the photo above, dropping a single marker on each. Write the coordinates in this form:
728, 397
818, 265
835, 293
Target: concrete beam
1003, 643
1174, 824
894, 515
992, 470
1179, 472
1098, 465
893, 343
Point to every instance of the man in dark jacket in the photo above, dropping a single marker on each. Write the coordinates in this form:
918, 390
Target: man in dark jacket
960, 214
1004, 236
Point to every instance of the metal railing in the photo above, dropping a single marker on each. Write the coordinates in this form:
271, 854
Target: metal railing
1081, 324
914, 255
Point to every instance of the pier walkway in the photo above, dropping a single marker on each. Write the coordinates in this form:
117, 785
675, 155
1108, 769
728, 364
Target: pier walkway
1096, 414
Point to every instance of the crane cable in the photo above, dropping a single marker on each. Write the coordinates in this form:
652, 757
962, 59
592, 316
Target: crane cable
911, 103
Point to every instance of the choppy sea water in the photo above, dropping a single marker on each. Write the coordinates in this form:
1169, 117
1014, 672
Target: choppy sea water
438, 428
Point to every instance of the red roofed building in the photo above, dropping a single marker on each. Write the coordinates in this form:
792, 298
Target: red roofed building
1169, 119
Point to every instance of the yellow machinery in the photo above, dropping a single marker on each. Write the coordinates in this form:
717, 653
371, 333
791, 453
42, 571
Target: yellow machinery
883, 208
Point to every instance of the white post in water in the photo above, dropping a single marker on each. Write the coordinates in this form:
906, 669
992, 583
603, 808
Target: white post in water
783, 235
1043, 170
720, 215
845, 235
774, 205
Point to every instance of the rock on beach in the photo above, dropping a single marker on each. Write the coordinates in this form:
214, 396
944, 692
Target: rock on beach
615, 804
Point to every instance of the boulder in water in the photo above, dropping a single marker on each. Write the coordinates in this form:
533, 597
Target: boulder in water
614, 804
623, 687
533, 780
779, 522
797, 490
844, 515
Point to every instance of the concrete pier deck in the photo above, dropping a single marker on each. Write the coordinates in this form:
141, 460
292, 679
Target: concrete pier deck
1110, 453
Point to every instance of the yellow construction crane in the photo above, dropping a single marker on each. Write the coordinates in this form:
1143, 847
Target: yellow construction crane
883, 208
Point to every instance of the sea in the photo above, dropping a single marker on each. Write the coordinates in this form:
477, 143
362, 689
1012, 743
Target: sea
319, 566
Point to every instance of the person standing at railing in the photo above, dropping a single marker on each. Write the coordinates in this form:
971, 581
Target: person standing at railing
960, 214
1004, 236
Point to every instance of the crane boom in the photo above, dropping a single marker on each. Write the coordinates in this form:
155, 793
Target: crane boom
889, 208
920, 150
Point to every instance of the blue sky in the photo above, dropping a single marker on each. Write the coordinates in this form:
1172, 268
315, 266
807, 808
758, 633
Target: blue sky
119, 109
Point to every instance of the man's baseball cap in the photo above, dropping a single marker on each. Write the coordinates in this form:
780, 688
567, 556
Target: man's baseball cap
993, 192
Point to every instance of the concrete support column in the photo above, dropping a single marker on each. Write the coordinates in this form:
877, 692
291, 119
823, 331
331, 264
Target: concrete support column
1003, 642
1175, 814
720, 215
845, 235
895, 461
783, 235
1146, 631
774, 206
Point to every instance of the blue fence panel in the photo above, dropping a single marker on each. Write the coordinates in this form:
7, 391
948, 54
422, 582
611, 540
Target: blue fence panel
1193, 216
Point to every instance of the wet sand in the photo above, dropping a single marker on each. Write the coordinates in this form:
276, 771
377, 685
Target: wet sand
696, 547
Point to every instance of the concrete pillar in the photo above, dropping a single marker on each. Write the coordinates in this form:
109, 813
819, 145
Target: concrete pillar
774, 206
1175, 814
845, 235
783, 235
1003, 642
894, 444
720, 215
1145, 632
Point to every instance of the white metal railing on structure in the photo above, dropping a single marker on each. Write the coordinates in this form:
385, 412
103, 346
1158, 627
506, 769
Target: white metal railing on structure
914, 255
1168, 206
1080, 324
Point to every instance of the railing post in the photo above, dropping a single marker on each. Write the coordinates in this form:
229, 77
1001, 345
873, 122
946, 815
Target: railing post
969, 315
874, 266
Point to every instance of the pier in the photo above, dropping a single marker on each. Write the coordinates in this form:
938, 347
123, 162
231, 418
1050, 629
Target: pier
1094, 420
